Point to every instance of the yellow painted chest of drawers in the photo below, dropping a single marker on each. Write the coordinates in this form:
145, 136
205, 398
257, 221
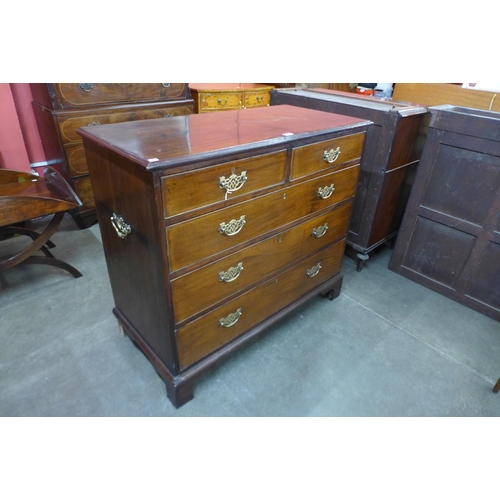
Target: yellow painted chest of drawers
210, 97
214, 227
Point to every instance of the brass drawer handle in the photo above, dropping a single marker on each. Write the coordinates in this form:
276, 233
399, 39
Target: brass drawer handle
320, 231
121, 227
233, 227
233, 182
86, 87
326, 191
231, 274
314, 270
332, 155
231, 319
220, 101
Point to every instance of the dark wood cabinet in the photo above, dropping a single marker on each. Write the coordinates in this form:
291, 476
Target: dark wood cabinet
450, 235
61, 108
216, 225
392, 150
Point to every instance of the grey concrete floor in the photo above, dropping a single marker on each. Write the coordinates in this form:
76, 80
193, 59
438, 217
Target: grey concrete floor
385, 347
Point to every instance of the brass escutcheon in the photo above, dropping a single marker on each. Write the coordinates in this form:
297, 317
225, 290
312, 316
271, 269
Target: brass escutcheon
320, 231
332, 155
233, 227
314, 270
231, 319
121, 227
231, 274
326, 192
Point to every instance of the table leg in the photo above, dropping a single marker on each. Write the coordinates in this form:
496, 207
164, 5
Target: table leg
39, 242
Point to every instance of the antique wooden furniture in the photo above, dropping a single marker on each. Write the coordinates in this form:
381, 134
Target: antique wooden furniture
436, 94
61, 108
392, 150
216, 226
25, 196
496, 387
210, 97
450, 236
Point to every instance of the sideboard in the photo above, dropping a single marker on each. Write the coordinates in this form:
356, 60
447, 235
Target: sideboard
215, 226
393, 147
61, 108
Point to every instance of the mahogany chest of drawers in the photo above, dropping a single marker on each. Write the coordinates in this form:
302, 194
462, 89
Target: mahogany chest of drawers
450, 234
210, 97
393, 147
61, 108
216, 226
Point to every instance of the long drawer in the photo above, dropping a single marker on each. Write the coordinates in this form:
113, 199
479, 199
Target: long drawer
71, 95
200, 289
196, 239
202, 336
203, 187
70, 122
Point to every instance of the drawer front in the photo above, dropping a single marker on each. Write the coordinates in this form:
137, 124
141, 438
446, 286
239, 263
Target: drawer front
256, 99
200, 289
326, 155
72, 95
69, 125
185, 192
77, 162
206, 334
196, 239
83, 189
220, 100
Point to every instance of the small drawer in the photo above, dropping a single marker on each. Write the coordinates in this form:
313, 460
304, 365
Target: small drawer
256, 99
200, 289
199, 188
72, 95
70, 122
207, 333
194, 240
326, 155
220, 100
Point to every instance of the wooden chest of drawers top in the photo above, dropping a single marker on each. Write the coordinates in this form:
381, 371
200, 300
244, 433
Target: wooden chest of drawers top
184, 142
79, 95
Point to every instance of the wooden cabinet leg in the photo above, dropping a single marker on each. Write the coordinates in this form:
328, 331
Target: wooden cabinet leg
497, 386
180, 394
362, 258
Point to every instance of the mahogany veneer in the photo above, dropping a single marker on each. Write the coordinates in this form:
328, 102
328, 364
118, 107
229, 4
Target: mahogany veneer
61, 108
215, 226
